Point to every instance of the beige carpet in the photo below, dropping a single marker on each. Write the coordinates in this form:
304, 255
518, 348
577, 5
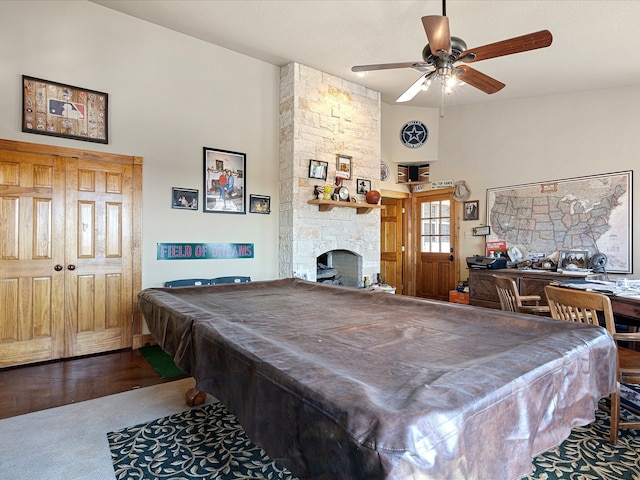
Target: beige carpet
35, 447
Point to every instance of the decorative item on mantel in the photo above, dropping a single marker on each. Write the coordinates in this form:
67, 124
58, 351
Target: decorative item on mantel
373, 197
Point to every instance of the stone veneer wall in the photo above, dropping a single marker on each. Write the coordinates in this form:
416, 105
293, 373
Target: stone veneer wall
321, 116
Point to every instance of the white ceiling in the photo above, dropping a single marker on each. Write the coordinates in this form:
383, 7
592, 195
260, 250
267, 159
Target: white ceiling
595, 43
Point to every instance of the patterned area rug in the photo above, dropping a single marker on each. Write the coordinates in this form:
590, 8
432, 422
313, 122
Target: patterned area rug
209, 443
205, 442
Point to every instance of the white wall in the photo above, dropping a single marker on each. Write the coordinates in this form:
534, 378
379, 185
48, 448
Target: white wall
169, 96
394, 117
539, 139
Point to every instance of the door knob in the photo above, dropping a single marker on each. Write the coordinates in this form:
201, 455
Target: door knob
71, 267
57, 268
451, 258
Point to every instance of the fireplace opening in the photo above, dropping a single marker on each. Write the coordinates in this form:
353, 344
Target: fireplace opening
339, 267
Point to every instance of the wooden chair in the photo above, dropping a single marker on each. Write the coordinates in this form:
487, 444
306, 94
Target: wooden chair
512, 301
187, 282
581, 306
232, 279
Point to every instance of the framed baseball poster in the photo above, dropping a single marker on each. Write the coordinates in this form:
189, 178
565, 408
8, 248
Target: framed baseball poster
60, 110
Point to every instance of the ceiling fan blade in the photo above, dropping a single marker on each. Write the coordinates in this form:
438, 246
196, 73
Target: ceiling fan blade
524, 43
437, 29
479, 80
413, 90
386, 66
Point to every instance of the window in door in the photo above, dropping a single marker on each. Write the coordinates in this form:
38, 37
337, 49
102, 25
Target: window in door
436, 226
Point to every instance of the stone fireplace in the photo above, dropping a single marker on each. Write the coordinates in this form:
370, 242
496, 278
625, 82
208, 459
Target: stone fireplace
322, 116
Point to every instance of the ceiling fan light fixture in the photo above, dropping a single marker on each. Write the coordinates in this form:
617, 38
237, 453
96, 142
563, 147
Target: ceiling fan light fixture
442, 55
448, 84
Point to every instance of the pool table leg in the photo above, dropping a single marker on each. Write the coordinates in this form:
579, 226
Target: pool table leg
195, 397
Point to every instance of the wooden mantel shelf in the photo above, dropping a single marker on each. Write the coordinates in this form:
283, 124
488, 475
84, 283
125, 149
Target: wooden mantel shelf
327, 205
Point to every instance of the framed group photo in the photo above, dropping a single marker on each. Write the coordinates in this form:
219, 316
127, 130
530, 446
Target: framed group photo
60, 110
224, 181
573, 259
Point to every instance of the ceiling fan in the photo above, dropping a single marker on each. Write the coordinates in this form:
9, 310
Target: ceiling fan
442, 55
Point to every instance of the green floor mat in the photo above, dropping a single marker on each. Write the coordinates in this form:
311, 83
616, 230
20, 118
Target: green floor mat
161, 362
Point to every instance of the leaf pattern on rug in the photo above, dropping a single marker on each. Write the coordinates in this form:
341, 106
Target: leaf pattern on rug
588, 455
206, 442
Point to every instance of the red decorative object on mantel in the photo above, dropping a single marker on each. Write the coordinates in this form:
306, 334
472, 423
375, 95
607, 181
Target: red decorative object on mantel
372, 197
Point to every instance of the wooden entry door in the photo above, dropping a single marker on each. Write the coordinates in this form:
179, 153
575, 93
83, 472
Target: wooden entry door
67, 276
392, 235
435, 244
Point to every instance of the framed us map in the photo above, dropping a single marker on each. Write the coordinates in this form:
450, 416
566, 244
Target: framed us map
591, 213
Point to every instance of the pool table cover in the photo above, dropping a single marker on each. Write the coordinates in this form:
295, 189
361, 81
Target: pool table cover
344, 383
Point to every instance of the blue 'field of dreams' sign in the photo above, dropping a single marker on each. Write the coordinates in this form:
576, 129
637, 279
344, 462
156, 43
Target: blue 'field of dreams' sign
203, 251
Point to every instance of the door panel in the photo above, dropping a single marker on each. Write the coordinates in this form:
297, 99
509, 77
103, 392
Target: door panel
32, 244
435, 241
98, 277
391, 243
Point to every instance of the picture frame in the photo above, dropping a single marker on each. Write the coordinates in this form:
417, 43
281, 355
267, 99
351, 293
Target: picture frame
343, 167
471, 210
66, 111
482, 231
363, 186
578, 258
259, 204
224, 175
318, 169
184, 198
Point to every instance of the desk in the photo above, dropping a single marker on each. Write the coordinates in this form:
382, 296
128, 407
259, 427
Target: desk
482, 290
626, 310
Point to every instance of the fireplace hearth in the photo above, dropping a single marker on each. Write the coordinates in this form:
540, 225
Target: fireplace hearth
339, 267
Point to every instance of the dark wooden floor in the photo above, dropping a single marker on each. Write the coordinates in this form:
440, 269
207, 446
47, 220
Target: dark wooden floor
37, 387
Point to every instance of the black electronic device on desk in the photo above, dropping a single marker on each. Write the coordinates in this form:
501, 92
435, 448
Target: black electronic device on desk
486, 263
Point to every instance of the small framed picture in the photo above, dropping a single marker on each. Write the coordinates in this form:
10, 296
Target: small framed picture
481, 231
259, 204
184, 198
318, 169
573, 259
343, 167
470, 211
364, 186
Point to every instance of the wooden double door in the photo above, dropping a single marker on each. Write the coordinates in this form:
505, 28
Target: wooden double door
66, 252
